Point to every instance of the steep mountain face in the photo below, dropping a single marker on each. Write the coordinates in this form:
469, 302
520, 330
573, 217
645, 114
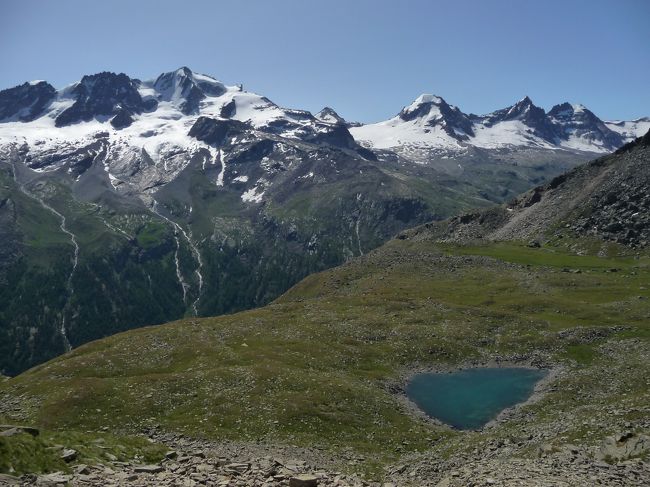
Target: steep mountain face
25, 102
103, 95
431, 125
186, 89
531, 118
578, 125
429, 120
131, 202
328, 115
607, 199
432, 112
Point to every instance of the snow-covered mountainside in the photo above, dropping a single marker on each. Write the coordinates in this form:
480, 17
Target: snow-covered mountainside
630, 129
125, 119
328, 115
431, 123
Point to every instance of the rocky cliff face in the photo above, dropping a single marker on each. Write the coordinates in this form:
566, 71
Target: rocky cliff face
26, 102
526, 112
104, 95
577, 122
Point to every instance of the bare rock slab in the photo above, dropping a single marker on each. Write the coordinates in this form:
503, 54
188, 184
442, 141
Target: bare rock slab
68, 455
303, 480
148, 469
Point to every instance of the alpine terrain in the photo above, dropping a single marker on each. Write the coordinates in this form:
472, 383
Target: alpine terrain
127, 203
310, 389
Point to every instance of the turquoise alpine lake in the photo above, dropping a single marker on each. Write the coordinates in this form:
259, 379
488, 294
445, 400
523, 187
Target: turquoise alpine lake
470, 398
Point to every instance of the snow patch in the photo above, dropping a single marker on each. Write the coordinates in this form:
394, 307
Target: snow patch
511, 133
396, 132
222, 159
254, 195
630, 129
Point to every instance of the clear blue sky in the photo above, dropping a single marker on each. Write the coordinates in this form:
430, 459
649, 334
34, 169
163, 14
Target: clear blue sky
365, 58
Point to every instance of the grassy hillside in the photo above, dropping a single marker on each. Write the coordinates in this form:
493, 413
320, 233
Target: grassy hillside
323, 365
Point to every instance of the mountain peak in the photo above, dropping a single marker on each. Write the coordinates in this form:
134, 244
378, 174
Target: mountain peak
423, 106
25, 102
522, 106
524, 110
184, 70
186, 89
431, 111
102, 94
567, 110
329, 115
427, 98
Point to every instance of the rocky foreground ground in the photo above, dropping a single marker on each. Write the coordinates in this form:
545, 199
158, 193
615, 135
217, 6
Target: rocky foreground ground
514, 451
197, 463
537, 454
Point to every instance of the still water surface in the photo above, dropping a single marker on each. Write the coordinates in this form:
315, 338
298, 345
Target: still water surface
470, 398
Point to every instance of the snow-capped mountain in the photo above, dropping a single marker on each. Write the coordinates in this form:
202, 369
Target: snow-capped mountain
182, 195
428, 121
431, 123
328, 115
128, 119
578, 128
25, 102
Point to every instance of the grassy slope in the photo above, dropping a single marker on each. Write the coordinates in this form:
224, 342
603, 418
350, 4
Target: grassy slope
24, 453
314, 367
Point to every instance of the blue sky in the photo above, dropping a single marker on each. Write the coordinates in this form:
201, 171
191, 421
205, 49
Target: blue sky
365, 58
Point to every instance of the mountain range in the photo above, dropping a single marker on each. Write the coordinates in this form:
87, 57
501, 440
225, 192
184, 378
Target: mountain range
430, 122
126, 202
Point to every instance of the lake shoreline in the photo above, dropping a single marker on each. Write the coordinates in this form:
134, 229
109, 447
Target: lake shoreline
397, 388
